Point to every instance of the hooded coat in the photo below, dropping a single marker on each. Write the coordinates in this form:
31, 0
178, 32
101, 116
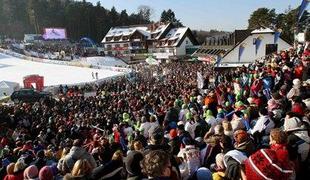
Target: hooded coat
75, 154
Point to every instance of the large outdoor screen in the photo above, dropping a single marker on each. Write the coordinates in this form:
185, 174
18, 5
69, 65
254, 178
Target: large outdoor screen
54, 33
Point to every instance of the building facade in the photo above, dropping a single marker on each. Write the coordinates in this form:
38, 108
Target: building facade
134, 43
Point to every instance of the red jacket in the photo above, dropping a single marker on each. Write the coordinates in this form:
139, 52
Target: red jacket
269, 164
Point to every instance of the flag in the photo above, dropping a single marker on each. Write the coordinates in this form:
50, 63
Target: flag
258, 41
277, 34
241, 49
302, 9
199, 80
218, 60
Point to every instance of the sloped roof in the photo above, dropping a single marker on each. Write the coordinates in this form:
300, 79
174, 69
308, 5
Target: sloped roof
7, 84
161, 29
126, 31
262, 30
175, 34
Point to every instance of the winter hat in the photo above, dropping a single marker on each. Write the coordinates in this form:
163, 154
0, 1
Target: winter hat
180, 123
241, 136
293, 123
307, 102
239, 104
227, 104
46, 173
173, 125
218, 130
19, 166
237, 155
173, 133
208, 113
236, 124
250, 100
188, 116
31, 172
54, 169
187, 141
296, 83
158, 134
219, 159
298, 109
132, 162
126, 117
10, 168
5, 151
203, 174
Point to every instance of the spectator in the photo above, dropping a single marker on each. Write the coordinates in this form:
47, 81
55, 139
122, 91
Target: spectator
156, 165
271, 163
81, 170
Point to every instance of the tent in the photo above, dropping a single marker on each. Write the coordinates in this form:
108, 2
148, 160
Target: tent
34, 81
150, 60
87, 42
7, 87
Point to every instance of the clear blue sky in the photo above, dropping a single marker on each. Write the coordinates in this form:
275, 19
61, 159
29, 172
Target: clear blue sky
204, 14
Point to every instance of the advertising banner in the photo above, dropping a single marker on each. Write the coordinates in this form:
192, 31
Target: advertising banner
54, 33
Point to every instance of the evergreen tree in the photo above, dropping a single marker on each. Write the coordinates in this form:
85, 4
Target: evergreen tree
169, 16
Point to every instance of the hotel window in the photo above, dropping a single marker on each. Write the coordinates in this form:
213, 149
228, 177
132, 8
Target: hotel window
117, 38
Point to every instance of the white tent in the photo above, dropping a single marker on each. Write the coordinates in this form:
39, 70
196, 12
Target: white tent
7, 87
150, 60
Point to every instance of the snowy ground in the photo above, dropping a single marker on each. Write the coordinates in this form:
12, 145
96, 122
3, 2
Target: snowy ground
14, 69
103, 61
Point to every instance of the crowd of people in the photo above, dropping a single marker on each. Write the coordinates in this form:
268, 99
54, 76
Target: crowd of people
58, 48
246, 123
55, 50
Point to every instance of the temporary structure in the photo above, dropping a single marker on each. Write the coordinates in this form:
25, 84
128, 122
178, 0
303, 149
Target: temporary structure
7, 88
150, 60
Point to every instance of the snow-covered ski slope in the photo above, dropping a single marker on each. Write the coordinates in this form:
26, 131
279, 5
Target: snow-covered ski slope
14, 69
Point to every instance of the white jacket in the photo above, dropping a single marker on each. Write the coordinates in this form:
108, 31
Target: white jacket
263, 123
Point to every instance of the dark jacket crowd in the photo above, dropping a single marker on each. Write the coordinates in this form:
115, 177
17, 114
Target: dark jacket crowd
249, 123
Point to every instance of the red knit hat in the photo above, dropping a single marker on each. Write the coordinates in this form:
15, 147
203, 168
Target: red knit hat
241, 136
31, 172
173, 133
297, 108
46, 173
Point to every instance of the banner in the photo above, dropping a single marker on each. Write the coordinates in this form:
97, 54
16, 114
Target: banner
302, 9
277, 34
241, 49
54, 33
199, 80
258, 41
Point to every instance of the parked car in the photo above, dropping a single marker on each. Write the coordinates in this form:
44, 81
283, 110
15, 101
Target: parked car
29, 95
